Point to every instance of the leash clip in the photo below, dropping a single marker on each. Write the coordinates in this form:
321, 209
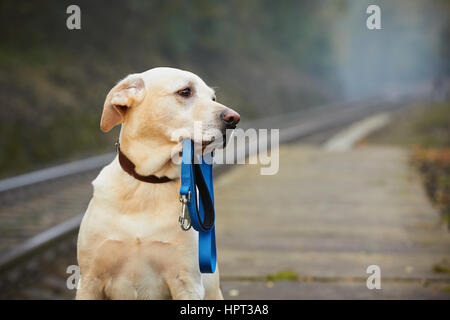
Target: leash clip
185, 217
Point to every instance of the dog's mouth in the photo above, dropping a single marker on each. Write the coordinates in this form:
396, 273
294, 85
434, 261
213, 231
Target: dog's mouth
206, 143
221, 143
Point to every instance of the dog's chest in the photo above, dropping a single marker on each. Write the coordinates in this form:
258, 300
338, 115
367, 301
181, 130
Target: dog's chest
134, 252
143, 226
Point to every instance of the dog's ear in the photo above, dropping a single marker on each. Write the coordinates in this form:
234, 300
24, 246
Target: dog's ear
128, 92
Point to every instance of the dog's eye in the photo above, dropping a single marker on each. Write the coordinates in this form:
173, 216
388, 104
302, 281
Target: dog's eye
186, 92
213, 98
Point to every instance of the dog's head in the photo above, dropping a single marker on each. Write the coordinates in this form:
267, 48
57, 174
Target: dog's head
165, 105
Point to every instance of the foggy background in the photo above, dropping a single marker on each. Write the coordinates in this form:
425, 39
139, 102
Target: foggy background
263, 57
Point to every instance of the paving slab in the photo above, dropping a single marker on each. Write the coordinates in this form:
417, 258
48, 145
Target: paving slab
327, 216
331, 291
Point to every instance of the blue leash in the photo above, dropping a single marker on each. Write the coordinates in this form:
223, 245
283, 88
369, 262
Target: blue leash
197, 178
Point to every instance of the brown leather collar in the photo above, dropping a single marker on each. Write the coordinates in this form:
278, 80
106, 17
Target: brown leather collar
128, 166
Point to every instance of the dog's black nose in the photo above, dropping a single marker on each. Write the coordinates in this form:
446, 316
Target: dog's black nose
230, 118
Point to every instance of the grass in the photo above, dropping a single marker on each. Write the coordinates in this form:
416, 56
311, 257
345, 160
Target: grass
285, 275
446, 289
426, 125
442, 267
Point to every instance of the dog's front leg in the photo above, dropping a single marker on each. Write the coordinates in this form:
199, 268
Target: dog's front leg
184, 286
88, 289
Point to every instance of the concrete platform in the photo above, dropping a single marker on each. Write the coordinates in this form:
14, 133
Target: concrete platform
325, 217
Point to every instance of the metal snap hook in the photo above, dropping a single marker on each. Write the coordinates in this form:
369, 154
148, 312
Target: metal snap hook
185, 219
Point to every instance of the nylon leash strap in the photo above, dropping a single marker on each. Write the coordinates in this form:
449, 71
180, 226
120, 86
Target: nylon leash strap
197, 194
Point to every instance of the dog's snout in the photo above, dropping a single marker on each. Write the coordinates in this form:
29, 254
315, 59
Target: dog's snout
230, 118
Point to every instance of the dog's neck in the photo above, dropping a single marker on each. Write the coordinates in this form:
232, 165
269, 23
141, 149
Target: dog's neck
127, 195
150, 156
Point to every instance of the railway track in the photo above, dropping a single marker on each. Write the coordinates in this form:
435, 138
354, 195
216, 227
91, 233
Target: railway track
40, 212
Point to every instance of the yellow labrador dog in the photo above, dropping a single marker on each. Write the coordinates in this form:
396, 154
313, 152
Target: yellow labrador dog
130, 244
